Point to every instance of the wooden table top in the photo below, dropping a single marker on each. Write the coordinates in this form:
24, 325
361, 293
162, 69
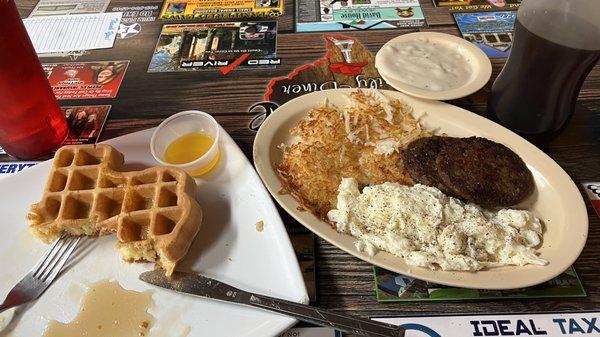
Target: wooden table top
344, 282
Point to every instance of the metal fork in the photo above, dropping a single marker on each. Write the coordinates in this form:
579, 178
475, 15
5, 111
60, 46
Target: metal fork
42, 274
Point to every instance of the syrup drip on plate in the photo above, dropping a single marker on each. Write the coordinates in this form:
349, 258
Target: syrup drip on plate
107, 310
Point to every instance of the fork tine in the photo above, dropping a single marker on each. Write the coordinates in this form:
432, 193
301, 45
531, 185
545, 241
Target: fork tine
48, 255
51, 273
53, 259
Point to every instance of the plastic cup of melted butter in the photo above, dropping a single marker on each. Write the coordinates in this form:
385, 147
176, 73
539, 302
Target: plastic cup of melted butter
188, 140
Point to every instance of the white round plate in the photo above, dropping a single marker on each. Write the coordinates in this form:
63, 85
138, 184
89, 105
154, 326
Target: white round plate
480, 63
228, 248
556, 200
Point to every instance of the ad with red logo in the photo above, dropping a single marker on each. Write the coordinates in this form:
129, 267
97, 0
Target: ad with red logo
81, 80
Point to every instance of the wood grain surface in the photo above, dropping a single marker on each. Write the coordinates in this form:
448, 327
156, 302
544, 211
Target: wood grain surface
344, 282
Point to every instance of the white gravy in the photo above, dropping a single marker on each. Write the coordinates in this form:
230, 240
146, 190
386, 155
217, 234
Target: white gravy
425, 64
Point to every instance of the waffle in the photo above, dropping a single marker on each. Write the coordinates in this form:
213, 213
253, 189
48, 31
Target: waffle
153, 212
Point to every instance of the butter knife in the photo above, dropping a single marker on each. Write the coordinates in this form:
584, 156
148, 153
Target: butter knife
196, 284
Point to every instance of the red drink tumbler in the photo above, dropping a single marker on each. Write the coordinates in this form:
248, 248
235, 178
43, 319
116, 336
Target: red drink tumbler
31, 122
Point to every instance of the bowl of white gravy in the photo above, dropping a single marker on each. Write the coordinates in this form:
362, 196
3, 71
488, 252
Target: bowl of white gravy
433, 65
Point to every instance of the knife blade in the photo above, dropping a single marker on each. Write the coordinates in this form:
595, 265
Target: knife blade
198, 285
195, 284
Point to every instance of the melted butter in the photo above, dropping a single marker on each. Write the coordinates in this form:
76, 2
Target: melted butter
107, 310
190, 147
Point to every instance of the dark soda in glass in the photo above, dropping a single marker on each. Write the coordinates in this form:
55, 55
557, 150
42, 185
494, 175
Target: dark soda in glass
552, 54
31, 122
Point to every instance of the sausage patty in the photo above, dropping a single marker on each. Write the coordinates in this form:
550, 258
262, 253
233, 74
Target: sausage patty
484, 172
420, 161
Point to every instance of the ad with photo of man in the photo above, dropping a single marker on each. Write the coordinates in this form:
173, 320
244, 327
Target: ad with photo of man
85, 123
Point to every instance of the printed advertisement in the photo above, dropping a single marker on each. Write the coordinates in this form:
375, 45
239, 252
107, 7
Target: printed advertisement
66, 7
492, 32
215, 46
81, 80
342, 15
478, 5
525, 324
85, 122
393, 287
134, 18
220, 9
9, 168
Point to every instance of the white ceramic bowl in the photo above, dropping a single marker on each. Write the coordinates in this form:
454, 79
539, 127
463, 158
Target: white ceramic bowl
481, 67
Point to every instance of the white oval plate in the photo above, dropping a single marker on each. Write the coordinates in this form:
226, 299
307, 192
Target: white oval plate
228, 248
556, 199
480, 63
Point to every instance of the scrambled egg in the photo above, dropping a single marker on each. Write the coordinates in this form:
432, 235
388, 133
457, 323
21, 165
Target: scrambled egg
429, 229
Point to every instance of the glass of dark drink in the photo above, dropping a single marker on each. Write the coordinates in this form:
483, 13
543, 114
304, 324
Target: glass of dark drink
556, 45
31, 122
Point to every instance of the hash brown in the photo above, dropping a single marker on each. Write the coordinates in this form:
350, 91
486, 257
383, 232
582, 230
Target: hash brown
361, 140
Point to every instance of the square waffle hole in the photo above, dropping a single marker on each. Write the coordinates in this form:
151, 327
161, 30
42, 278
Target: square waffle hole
134, 229
168, 177
89, 157
83, 180
145, 178
58, 182
167, 197
52, 206
109, 204
164, 223
110, 182
139, 199
77, 208
64, 158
